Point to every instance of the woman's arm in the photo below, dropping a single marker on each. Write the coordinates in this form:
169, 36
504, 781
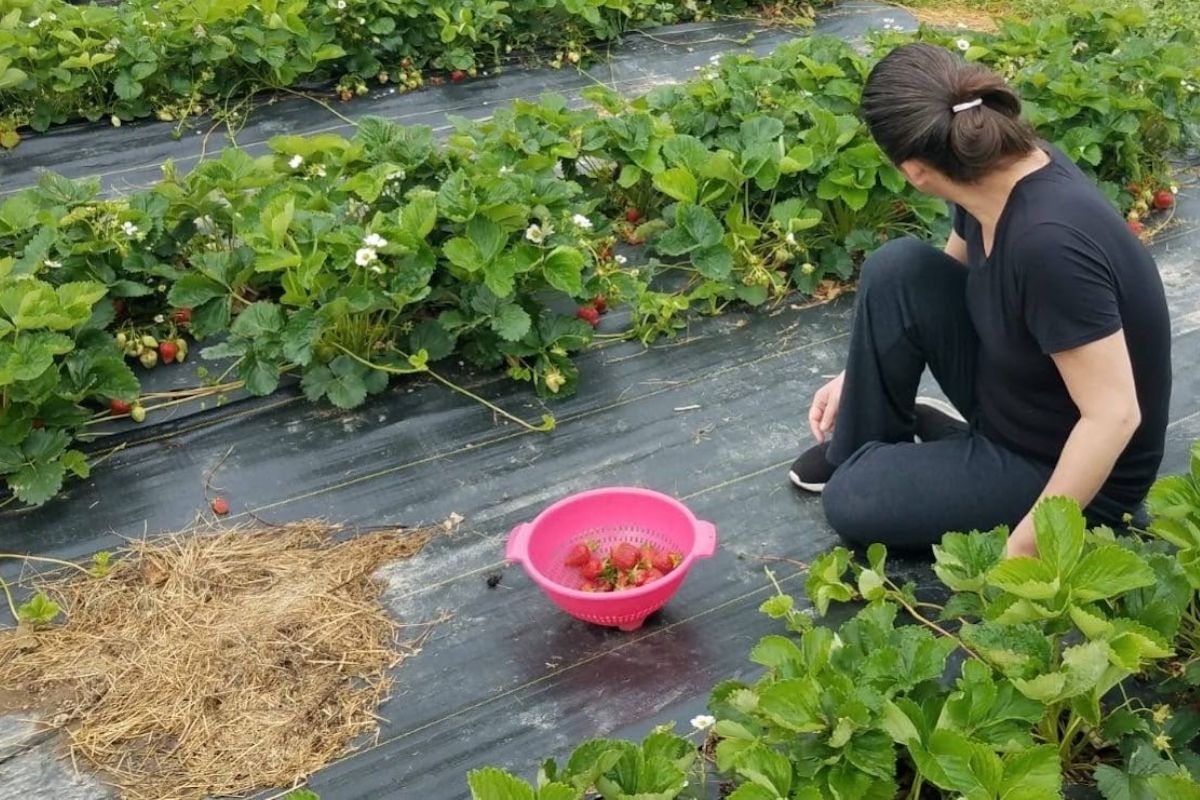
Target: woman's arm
1099, 377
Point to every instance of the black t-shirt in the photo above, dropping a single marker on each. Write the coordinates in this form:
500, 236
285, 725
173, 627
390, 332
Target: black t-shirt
1064, 271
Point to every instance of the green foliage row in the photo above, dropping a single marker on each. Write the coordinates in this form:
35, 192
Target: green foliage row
345, 262
1013, 689
177, 58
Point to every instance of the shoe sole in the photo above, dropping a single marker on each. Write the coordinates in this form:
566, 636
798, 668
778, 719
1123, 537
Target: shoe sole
942, 406
815, 488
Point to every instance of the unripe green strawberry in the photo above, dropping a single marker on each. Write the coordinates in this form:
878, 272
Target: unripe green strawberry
148, 358
149, 341
137, 414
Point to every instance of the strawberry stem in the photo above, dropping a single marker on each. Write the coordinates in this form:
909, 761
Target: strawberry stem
8, 596
547, 420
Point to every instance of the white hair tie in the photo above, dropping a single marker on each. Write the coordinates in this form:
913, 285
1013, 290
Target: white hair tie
978, 101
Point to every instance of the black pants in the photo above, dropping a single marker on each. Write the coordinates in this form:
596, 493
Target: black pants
911, 314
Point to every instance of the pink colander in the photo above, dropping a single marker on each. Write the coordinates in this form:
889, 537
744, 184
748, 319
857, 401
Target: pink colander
606, 517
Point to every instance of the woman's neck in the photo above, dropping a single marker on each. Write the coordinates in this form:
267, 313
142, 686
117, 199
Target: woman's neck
985, 199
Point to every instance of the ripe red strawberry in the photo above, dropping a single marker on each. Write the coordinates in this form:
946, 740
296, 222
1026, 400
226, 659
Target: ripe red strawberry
118, 406
589, 315
458, 76
600, 303
1163, 199
578, 555
1136, 227
220, 506
182, 316
167, 351
648, 554
632, 215
651, 575
665, 562
623, 581
640, 577
346, 95
592, 569
588, 586
603, 586
624, 556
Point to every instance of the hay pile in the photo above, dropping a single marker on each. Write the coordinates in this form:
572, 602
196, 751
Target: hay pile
216, 661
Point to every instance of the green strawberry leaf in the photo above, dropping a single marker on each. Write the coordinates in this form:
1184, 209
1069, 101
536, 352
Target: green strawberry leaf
511, 322
38, 610
563, 268
258, 319
495, 784
1028, 578
963, 560
780, 654
764, 767
1108, 571
1059, 529
677, 183
36, 483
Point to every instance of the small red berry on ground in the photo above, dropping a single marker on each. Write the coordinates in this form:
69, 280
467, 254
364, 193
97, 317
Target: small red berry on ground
119, 406
1163, 199
220, 506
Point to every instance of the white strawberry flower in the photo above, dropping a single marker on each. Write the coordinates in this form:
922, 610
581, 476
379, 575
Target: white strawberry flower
790, 238
537, 234
963, 44
374, 240
295, 161
33, 23
620, 259
341, 5
50, 263
506, 170
703, 722
365, 256
582, 221
319, 170
50, 15
129, 228
159, 318
378, 270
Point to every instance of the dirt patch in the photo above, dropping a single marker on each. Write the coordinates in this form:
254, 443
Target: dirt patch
954, 15
217, 661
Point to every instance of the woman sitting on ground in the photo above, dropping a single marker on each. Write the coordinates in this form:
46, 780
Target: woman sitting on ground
1044, 322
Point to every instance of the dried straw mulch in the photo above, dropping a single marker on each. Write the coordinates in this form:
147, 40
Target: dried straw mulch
216, 661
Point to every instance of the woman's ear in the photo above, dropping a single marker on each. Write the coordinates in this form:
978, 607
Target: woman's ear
915, 171
923, 177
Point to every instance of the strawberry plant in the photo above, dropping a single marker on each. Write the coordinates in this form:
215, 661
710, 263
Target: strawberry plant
341, 262
175, 58
615, 770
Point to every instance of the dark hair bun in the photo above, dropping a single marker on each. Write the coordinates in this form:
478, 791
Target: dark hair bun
909, 102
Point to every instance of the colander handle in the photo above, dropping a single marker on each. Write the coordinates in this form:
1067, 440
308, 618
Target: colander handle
706, 539
518, 543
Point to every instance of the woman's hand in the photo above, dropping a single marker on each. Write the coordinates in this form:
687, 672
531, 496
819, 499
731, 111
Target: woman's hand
1022, 542
823, 414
